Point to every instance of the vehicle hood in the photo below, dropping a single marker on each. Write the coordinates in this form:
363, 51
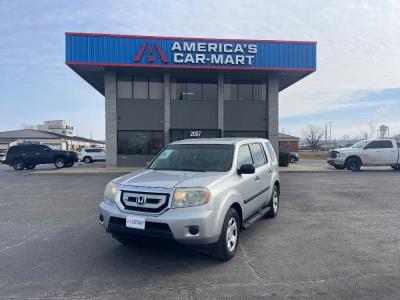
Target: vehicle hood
345, 149
169, 179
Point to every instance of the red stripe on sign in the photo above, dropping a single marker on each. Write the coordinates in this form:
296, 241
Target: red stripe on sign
162, 56
140, 54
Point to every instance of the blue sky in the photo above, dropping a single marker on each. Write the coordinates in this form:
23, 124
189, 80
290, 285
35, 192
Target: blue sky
356, 86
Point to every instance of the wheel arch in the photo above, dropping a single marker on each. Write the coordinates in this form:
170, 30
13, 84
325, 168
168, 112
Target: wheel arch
353, 156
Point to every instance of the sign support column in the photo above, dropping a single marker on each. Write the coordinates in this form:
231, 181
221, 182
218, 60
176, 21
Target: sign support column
110, 86
221, 103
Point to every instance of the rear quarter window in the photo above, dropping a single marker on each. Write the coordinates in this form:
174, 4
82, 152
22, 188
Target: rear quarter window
270, 151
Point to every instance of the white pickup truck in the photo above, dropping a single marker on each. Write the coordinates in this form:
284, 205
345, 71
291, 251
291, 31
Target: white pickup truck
375, 152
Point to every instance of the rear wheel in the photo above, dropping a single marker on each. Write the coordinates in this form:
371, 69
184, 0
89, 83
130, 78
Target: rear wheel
60, 162
353, 164
273, 203
87, 159
228, 241
31, 167
18, 164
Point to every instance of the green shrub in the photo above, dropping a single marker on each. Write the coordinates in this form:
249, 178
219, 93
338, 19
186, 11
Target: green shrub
283, 159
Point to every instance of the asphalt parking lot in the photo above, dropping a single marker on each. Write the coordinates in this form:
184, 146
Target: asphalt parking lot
337, 236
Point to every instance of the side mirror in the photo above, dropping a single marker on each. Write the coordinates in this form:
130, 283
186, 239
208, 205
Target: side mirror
246, 169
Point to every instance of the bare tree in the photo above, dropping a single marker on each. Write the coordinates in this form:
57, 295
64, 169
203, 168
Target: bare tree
364, 133
312, 135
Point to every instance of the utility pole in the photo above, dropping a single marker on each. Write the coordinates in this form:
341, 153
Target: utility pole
330, 133
326, 137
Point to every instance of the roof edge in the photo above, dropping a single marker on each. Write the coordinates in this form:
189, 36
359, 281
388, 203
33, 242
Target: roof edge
185, 38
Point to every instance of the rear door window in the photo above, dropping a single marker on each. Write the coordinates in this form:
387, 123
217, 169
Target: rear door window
379, 145
258, 154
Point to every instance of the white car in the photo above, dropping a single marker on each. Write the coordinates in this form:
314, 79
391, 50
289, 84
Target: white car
89, 155
375, 152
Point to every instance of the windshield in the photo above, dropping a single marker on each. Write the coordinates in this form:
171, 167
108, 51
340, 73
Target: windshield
359, 144
197, 158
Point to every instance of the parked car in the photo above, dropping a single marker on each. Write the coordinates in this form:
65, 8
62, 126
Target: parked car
30, 155
293, 157
89, 155
375, 152
198, 192
2, 154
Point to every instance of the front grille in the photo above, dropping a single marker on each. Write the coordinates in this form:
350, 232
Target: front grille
117, 227
144, 202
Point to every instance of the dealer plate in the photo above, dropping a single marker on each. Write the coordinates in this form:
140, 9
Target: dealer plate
137, 222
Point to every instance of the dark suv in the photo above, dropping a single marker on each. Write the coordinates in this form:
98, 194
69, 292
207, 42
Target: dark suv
28, 156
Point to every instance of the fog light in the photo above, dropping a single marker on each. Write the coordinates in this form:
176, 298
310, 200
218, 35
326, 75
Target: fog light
101, 218
194, 230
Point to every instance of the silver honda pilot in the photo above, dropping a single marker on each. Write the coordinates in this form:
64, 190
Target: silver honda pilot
202, 191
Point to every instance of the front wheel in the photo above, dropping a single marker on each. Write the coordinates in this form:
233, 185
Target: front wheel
87, 159
339, 167
18, 164
60, 162
228, 241
353, 164
292, 159
69, 164
273, 203
396, 167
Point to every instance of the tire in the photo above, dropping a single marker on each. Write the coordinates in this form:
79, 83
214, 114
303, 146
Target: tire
69, 164
273, 203
60, 162
292, 159
228, 241
31, 167
339, 167
18, 164
353, 164
87, 159
396, 167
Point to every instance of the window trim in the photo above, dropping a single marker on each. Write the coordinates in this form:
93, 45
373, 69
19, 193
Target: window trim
263, 153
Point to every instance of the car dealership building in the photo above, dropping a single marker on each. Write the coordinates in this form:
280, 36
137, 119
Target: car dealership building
162, 89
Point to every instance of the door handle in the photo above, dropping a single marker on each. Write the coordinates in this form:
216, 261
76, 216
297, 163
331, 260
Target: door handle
269, 171
257, 178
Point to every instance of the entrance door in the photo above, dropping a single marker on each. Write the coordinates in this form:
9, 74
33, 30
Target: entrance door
183, 134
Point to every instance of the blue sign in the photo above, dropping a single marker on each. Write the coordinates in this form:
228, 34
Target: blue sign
140, 51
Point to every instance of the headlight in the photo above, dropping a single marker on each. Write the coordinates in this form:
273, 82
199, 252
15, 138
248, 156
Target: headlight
186, 197
109, 192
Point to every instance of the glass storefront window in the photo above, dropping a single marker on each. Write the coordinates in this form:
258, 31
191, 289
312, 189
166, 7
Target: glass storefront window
140, 142
193, 91
124, 88
249, 134
156, 89
140, 88
245, 91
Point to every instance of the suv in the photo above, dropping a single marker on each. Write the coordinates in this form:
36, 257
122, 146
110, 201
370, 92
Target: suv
89, 155
199, 192
30, 155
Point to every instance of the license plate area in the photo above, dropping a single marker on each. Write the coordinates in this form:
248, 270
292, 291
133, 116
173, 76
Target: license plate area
134, 221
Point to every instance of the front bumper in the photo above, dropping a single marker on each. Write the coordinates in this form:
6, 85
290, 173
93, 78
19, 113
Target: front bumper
174, 224
335, 161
